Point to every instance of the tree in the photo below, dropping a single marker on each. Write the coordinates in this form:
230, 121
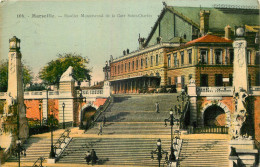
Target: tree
52, 72
27, 75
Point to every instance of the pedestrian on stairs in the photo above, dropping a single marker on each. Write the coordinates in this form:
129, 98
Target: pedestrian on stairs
88, 157
94, 157
100, 129
104, 120
157, 107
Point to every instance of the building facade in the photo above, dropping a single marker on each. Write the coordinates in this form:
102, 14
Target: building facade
187, 43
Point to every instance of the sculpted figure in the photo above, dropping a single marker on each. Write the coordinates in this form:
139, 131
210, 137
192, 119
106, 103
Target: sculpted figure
240, 98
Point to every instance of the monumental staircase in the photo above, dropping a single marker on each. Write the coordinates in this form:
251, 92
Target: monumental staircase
130, 133
37, 146
204, 152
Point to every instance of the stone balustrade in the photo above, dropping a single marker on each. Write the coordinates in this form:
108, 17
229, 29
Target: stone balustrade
56, 94
215, 91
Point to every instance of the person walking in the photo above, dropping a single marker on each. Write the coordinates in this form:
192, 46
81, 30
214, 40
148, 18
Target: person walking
88, 157
94, 157
104, 120
157, 107
100, 129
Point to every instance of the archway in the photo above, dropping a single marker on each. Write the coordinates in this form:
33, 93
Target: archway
87, 116
214, 116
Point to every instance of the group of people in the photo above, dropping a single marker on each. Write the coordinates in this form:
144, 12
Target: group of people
91, 157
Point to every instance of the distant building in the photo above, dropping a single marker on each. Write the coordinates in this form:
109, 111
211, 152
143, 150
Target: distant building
187, 42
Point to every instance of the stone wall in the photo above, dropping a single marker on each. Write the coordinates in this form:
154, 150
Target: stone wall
257, 117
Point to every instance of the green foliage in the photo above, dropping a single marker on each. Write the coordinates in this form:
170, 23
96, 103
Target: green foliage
2, 102
52, 72
27, 75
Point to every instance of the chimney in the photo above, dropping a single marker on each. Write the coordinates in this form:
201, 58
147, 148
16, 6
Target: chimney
127, 51
228, 32
204, 22
124, 52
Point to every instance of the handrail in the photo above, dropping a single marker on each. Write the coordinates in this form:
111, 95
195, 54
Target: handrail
99, 112
182, 118
41, 159
62, 139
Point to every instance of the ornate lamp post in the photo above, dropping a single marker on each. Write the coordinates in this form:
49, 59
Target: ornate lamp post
63, 106
52, 153
19, 150
40, 112
159, 151
171, 119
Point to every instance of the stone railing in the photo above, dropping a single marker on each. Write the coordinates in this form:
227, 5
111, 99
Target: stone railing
55, 94
91, 93
255, 90
215, 91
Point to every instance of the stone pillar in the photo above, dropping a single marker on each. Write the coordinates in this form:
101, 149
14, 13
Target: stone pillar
67, 93
193, 101
15, 87
240, 74
106, 89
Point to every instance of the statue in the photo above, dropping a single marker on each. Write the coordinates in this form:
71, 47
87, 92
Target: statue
240, 110
10, 101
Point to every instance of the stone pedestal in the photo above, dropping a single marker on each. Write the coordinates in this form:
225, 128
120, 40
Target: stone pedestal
51, 160
246, 152
192, 92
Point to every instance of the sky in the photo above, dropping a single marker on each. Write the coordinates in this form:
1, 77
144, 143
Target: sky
93, 37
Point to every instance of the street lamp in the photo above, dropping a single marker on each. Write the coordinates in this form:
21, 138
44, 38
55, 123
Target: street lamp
171, 119
19, 150
52, 153
159, 151
63, 106
40, 109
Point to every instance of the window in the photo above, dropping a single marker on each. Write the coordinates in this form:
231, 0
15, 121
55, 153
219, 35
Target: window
146, 62
176, 81
129, 66
249, 80
257, 58
182, 81
204, 80
157, 74
218, 80
218, 56
248, 57
136, 64
169, 60
230, 79
257, 79
157, 60
182, 57
204, 56
142, 63
190, 56
118, 69
122, 67
115, 69
133, 65
125, 67
169, 81
175, 60
151, 60
231, 56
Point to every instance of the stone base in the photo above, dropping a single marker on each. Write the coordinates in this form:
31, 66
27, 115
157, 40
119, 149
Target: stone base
51, 161
246, 151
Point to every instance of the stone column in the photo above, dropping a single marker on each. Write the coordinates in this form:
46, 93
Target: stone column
193, 101
240, 74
